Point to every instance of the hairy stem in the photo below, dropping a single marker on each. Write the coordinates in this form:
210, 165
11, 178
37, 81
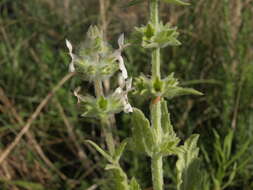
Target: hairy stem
157, 173
105, 122
154, 18
157, 164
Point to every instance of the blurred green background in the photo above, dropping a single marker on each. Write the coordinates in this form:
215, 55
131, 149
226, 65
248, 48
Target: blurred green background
215, 57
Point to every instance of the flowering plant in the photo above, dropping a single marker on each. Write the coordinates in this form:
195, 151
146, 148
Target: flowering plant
155, 137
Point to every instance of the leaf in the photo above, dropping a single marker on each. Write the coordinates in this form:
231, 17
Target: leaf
177, 2
120, 177
243, 149
24, 184
169, 145
143, 135
166, 123
101, 151
120, 150
179, 91
231, 177
134, 184
228, 143
188, 165
218, 153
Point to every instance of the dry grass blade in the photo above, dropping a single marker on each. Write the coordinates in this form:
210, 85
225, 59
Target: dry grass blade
32, 141
24, 130
82, 155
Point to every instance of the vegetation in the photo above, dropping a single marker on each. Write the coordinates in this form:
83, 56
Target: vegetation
44, 139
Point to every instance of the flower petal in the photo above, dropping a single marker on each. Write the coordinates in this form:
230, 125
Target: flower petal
71, 65
129, 84
121, 41
128, 108
68, 44
122, 66
76, 94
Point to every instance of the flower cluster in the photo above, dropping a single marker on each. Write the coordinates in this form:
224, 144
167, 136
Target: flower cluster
167, 87
96, 60
158, 36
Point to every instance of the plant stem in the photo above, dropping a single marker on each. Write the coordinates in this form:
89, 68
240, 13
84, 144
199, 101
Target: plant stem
154, 18
98, 88
105, 122
156, 162
157, 172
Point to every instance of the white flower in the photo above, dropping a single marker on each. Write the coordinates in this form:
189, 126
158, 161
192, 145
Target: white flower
121, 41
123, 95
76, 94
71, 65
119, 57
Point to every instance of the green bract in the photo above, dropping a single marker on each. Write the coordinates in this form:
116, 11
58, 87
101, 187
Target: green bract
96, 59
158, 36
102, 106
167, 87
91, 68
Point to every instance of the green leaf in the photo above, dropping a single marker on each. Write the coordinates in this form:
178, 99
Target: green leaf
143, 136
120, 150
101, 151
134, 185
228, 144
231, 177
177, 2
218, 153
166, 123
29, 185
242, 150
150, 31
24, 184
188, 165
169, 146
102, 103
179, 91
119, 176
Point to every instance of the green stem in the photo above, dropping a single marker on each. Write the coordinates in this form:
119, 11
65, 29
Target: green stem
156, 162
156, 63
154, 18
105, 122
121, 179
157, 172
108, 135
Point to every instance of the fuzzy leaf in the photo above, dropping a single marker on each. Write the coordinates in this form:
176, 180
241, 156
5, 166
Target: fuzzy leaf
120, 150
134, 184
169, 145
101, 151
177, 2
120, 177
143, 136
179, 91
188, 165
166, 123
